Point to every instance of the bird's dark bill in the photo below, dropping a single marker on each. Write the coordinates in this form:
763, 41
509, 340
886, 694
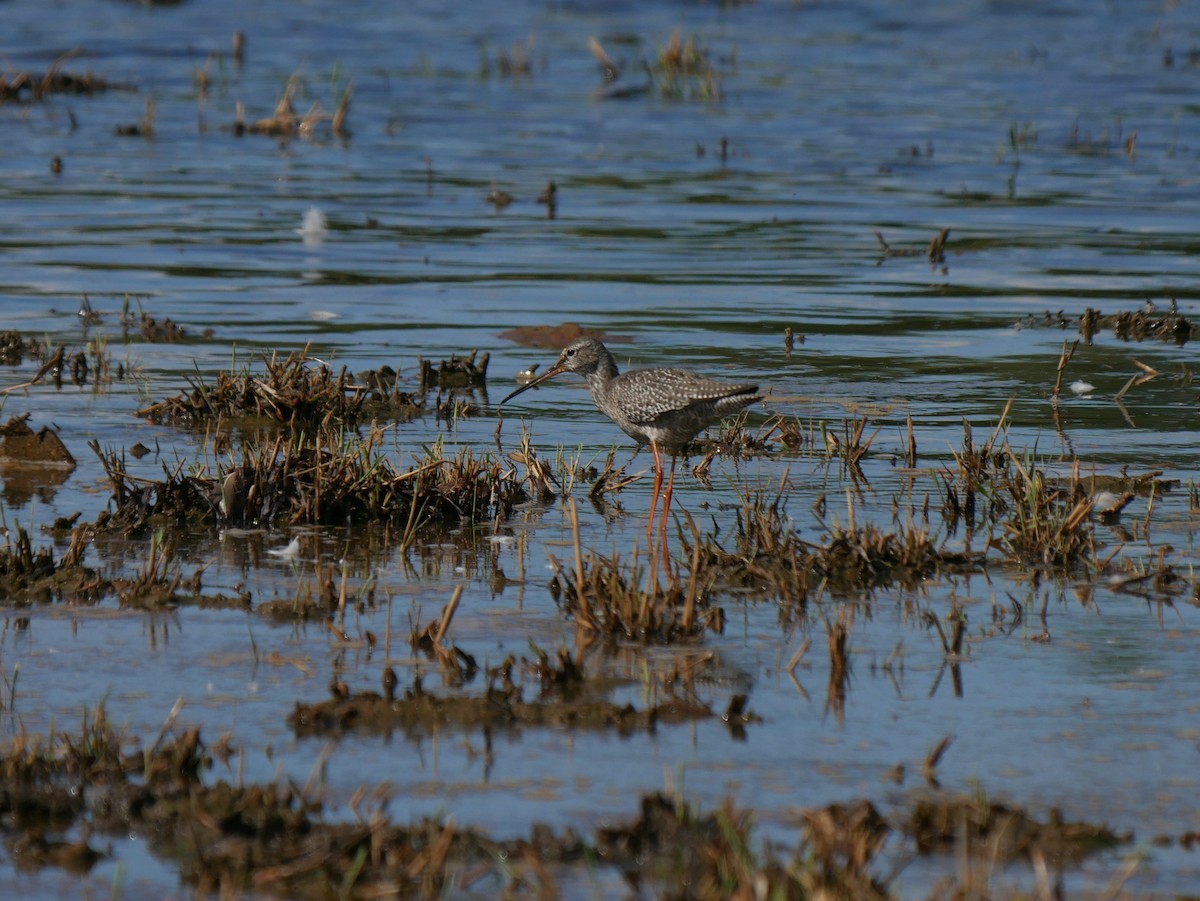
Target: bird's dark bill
533, 383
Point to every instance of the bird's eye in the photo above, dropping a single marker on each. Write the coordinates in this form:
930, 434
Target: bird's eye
571, 352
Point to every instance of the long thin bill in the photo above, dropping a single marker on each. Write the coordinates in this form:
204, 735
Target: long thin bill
545, 376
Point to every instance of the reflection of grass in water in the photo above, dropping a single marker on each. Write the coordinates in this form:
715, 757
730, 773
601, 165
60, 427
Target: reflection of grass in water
277, 837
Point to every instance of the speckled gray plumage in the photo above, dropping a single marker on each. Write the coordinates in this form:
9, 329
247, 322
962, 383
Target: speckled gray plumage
667, 407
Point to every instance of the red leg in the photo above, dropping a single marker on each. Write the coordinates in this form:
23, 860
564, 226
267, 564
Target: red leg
658, 480
665, 513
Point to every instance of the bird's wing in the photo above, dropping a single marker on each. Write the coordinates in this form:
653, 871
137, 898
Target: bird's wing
648, 394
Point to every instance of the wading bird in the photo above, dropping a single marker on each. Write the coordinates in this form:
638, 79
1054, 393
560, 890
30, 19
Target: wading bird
665, 408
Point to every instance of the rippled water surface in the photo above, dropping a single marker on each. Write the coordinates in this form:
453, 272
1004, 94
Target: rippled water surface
1059, 143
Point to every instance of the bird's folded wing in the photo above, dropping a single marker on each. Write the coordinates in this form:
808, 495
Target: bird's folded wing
648, 394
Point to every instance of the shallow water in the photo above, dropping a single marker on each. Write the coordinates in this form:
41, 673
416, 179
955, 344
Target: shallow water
1006, 122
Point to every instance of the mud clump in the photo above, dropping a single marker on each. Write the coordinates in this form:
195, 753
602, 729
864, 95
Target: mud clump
556, 337
456, 372
12, 348
163, 331
28, 576
21, 444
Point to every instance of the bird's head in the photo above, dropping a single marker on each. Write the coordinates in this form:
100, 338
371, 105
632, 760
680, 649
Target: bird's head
584, 356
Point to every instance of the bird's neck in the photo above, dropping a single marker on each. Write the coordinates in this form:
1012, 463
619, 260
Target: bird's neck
606, 370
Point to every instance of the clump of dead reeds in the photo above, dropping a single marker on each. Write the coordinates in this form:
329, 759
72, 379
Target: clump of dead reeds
619, 601
1046, 522
139, 503
265, 836
850, 447
767, 554
869, 557
92, 364
295, 390
843, 841
734, 439
160, 582
515, 63
161, 331
538, 471
1042, 519
976, 467
625, 602
29, 576
1145, 323
710, 854
285, 122
683, 70
457, 665
329, 479
24, 86
13, 347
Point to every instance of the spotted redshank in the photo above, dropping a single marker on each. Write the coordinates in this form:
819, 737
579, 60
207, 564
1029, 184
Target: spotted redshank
665, 408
